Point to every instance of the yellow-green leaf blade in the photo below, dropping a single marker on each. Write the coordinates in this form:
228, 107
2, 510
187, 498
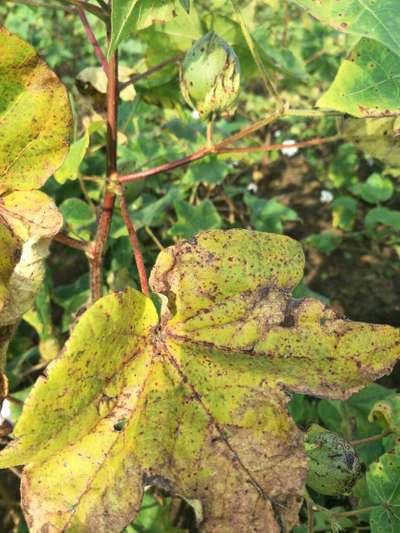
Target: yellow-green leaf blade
367, 83
33, 97
83, 384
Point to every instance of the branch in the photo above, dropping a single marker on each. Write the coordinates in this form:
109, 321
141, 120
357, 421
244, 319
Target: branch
134, 243
270, 147
149, 72
90, 8
83, 246
199, 154
107, 207
92, 39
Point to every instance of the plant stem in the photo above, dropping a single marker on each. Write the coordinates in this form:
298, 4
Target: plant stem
149, 72
33, 3
90, 8
134, 243
269, 84
367, 440
107, 207
285, 24
92, 39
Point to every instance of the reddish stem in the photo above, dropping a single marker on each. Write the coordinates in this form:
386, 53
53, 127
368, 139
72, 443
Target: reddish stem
220, 148
92, 38
134, 243
109, 197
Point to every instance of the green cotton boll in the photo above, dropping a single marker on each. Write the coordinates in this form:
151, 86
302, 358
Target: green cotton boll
210, 76
333, 465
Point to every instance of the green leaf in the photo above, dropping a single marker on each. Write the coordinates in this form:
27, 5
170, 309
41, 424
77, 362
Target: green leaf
129, 16
194, 402
192, 219
375, 190
383, 486
211, 171
326, 242
78, 216
268, 215
382, 215
344, 212
378, 20
367, 83
378, 137
70, 168
35, 116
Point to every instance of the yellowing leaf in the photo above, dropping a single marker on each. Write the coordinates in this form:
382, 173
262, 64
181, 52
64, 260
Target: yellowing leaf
9, 255
31, 214
34, 116
379, 137
194, 402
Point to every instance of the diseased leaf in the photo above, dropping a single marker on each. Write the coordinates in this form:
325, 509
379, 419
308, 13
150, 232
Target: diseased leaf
367, 83
31, 214
32, 97
196, 402
129, 16
383, 487
378, 137
378, 20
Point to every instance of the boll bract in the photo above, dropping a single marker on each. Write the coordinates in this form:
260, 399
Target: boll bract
210, 76
333, 465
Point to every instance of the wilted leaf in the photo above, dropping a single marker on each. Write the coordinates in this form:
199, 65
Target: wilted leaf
10, 248
387, 413
378, 137
367, 83
383, 484
369, 18
194, 403
31, 214
34, 99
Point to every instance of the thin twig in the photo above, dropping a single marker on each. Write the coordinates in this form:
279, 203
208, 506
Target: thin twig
137, 252
149, 72
355, 512
92, 39
33, 3
15, 401
269, 84
83, 246
90, 8
367, 440
285, 24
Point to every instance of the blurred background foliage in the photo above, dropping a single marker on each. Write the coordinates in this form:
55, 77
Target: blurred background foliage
340, 202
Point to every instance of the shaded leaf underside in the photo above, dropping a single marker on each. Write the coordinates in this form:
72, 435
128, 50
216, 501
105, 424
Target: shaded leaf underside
195, 403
